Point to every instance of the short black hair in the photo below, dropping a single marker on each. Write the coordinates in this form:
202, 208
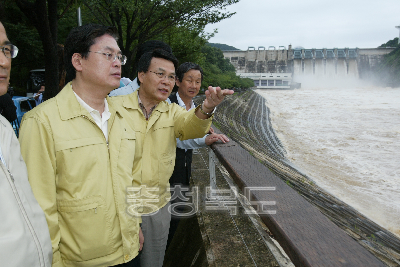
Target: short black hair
145, 59
150, 46
147, 47
185, 67
79, 40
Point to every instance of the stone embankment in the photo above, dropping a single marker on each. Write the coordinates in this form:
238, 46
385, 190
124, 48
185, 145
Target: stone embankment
244, 117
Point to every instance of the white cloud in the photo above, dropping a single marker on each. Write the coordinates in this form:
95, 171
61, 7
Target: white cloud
309, 23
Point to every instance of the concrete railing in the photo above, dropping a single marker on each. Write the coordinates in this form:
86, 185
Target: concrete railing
307, 236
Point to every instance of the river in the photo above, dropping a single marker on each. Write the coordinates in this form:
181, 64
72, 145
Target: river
347, 140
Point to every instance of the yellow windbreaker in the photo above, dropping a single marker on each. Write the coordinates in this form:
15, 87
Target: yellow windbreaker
80, 180
155, 148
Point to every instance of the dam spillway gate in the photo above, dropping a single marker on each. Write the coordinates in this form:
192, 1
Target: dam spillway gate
275, 68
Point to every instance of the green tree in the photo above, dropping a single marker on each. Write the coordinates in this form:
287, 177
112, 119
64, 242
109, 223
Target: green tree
187, 43
388, 71
29, 27
218, 71
215, 56
43, 17
21, 33
223, 47
391, 43
246, 83
138, 21
178, 22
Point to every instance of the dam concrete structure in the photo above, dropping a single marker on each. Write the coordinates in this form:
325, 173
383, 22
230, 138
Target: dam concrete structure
276, 67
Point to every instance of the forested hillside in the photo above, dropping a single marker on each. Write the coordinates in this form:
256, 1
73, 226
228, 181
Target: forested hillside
391, 43
218, 71
389, 70
223, 47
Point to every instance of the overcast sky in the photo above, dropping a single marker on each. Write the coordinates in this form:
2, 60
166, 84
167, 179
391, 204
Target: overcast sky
309, 23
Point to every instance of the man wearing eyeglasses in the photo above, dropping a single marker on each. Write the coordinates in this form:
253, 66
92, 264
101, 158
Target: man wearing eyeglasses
80, 152
157, 125
24, 235
148, 46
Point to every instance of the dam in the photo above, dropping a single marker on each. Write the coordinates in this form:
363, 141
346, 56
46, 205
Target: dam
262, 206
278, 67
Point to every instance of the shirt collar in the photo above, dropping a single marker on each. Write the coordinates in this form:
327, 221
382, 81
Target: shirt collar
90, 109
182, 104
142, 107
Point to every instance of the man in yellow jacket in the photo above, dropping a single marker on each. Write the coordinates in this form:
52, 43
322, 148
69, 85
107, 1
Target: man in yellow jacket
79, 153
157, 124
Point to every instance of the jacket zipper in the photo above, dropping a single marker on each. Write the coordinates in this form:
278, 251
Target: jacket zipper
10, 179
92, 121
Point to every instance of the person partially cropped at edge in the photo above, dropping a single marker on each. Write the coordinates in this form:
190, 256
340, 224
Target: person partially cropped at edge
24, 235
79, 152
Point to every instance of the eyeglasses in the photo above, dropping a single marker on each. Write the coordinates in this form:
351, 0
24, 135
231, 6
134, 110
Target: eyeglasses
10, 51
161, 75
113, 56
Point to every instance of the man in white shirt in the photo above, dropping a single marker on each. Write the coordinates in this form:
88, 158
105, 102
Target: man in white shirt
24, 235
188, 80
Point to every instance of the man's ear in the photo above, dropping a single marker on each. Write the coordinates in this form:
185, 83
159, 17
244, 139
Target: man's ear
177, 82
141, 76
77, 61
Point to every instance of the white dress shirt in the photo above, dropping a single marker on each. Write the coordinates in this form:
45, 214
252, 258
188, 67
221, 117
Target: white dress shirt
101, 121
191, 143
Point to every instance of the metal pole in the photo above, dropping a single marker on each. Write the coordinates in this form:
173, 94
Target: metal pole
78, 14
211, 167
398, 27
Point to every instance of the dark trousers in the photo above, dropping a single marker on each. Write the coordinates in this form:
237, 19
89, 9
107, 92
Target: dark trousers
180, 176
133, 263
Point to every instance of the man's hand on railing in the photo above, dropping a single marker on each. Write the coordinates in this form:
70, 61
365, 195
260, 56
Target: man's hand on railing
214, 137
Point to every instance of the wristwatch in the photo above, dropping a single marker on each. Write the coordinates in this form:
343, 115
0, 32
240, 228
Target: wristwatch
205, 113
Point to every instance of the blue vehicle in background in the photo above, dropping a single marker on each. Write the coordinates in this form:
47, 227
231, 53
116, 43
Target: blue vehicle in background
23, 105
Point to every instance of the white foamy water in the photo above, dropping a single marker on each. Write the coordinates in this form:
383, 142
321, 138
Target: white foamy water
348, 141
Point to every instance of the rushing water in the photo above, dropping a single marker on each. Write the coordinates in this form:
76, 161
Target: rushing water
348, 141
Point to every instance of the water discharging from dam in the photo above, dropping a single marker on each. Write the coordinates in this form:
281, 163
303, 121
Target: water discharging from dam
332, 145
348, 141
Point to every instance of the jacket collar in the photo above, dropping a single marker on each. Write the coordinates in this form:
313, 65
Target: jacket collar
131, 102
69, 107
